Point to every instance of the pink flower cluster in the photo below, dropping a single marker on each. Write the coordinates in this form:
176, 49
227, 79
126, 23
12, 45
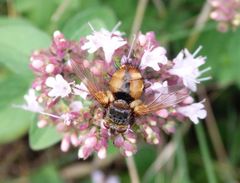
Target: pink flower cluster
62, 100
226, 12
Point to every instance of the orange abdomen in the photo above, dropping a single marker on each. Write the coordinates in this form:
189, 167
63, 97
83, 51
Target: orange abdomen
128, 80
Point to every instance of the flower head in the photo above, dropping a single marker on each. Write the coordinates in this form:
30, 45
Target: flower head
226, 13
88, 114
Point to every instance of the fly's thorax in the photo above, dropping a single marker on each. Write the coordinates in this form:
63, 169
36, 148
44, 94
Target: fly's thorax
127, 79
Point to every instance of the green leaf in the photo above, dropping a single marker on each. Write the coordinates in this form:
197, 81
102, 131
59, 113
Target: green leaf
13, 87
85, 29
46, 174
144, 158
14, 122
80, 20
16, 44
41, 138
39, 12
12, 21
125, 12
112, 150
223, 53
182, 164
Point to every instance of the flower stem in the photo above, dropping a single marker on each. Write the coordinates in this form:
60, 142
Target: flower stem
79, 170
60, 10
199, 25
212, 128
161, 8
142, 4
132, 170
166, 154
205, 154
10, 9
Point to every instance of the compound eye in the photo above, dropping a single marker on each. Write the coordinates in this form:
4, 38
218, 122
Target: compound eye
112, 111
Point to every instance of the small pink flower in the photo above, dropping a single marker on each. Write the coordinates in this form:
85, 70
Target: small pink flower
60, 44
67, 118
60, 87
186, 66
36, 63
76, 106
102, 153
90, 142
32, 103
193, 111
130, 136
113, 179
151, 134
42, 123
163, 113
158, 87
65, 144
153, 57
226, 13
97, 177
108, 41
49, 68
119, 140
188, 100
81, 90
84, 152
74, 139
169, 127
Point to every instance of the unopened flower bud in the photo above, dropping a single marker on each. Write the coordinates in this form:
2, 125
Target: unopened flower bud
102, 153
57, 34
118, 141
49, 68
65, 144
130, 136
128, 146
42, 123
128, 153
163, 113
142, 39
74, 139
188, 100
37, 64
84, 152
90, 141
169, 127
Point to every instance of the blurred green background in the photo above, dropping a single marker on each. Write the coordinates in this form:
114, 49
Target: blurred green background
208, 152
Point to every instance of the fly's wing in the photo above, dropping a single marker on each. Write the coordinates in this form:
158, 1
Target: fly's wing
164, 98
95, 85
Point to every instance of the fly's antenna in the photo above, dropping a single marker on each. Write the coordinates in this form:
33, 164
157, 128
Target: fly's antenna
131, 47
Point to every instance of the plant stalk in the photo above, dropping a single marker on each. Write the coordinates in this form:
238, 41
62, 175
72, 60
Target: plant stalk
132, 170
